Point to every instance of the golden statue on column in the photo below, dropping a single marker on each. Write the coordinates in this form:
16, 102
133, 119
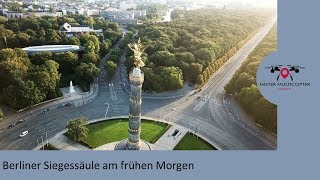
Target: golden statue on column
138, 49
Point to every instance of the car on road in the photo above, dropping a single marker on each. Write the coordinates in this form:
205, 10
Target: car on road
20, 121
24, 133
68, 104
60, 106
11, 125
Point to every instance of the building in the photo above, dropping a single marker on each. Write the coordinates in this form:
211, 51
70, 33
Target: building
40, 14
89, 12
12, 14
125, 6
70, 30
139, 14
53, 48
122, 17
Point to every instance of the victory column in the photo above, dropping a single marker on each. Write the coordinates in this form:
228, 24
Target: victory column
136, 78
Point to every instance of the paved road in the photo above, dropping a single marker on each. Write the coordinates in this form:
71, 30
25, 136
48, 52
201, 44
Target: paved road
213, 117
210, 116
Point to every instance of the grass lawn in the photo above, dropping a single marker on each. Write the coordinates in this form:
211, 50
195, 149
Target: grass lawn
115, 130
191, 142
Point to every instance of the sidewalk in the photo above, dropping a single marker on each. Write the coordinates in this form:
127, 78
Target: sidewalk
62, 142
171, 138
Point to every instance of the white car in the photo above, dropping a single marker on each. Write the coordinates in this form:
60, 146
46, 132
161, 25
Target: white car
24, 133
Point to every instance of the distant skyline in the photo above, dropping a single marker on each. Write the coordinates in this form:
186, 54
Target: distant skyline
263, 3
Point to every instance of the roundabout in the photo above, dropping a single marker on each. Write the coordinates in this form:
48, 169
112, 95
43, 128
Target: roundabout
111, 134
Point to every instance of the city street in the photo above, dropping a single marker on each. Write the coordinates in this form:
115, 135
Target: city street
208, 112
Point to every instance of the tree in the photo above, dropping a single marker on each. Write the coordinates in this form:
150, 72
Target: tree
91, 57
77, 128
114, 58
185, 57
200, 80
127, 39
85, 74
89, 47
8, 54
110, 67
91, 43
52, 37
40, 58
266, 114
172, 78
244, 83
195, 70
243, 80
75, 41
185, 70
89, 21
116, 52
22, 94
113, 35
248, 96
23, 39
67, 61
105, 48
12, 66
46, 77
205, 55
163, 58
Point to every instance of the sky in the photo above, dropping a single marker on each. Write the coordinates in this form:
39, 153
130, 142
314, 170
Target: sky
267, 3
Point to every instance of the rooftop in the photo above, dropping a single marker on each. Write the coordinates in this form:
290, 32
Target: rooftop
53, 48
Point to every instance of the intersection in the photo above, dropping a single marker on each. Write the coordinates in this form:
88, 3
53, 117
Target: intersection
210, 116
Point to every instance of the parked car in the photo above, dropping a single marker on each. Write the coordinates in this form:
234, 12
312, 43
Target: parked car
20, 121
24, 133
11, 125
68, 104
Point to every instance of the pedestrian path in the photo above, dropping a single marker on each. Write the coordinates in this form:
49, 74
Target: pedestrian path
62, 142
171, 138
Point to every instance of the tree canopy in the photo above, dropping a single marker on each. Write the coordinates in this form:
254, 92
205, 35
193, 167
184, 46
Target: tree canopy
196, 42
77, 128
243, 84
85, 74
39, 75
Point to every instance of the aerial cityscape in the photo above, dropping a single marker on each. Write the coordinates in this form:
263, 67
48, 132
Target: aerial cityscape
135, 75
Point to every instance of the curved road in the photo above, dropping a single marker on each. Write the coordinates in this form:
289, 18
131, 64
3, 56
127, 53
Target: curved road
211, 115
